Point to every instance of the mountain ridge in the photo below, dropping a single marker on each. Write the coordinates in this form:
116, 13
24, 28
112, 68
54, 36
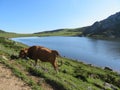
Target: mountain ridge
109, 27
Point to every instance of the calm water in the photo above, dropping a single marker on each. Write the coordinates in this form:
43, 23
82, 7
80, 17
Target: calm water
97, 52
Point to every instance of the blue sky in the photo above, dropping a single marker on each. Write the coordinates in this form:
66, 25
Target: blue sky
28, 16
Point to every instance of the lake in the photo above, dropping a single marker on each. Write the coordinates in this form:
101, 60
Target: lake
91, 51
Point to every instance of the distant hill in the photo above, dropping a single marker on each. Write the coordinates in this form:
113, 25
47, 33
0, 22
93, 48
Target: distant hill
1, 31
109, 27
63, 32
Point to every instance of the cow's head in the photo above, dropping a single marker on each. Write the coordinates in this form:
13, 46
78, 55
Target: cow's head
23, 53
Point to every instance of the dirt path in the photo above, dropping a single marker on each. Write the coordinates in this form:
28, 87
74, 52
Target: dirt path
8, 81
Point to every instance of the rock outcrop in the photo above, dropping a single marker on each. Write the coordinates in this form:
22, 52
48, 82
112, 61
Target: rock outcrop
108, 27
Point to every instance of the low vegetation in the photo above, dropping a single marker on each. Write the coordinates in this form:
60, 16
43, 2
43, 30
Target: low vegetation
58, 32
63, 32
72, 75
12, 35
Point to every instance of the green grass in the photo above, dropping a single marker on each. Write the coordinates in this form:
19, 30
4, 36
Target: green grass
12, 35
21, 75
73, 75
61, 32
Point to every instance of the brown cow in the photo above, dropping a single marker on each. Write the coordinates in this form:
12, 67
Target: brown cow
41, 53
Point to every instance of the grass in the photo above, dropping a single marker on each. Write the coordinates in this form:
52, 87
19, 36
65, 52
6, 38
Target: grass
21, 75
73, 75
61, 32
12, 35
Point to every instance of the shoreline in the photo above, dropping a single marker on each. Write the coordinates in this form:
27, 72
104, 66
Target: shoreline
72, 74
115, 70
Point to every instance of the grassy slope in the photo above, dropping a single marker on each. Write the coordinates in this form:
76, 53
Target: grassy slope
58, 32
12, 35
72, 75
63, 32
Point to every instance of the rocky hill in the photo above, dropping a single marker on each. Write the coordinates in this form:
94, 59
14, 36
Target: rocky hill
109, 27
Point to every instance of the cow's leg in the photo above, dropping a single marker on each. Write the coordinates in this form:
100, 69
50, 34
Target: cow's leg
54, 63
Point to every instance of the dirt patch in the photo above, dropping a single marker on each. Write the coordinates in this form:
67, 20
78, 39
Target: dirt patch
39, 80
8, 81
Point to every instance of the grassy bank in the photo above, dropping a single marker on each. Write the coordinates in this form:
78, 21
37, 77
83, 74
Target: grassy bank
72, 75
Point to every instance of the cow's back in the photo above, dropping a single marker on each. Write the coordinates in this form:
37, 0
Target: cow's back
32, 51
39, 52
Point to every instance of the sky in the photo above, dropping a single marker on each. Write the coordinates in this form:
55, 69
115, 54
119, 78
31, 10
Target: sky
30, 16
